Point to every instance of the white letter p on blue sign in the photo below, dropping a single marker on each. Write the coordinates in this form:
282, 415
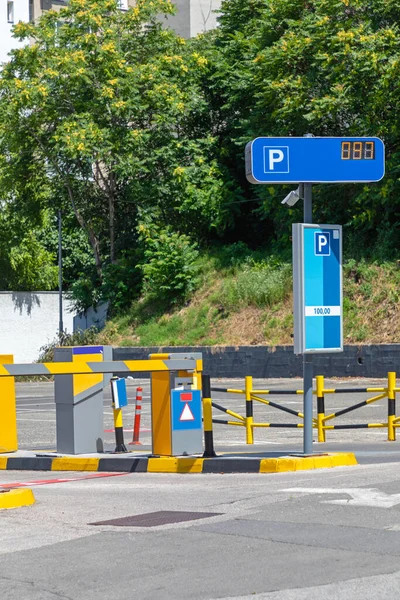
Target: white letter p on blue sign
276, 159
322, 243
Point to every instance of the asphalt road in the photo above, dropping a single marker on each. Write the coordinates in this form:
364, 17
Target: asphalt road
332, 534
37, 431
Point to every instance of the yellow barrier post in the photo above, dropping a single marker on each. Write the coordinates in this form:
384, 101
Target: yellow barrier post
249, 410
8, 411
391, 406
320, 408
207, 416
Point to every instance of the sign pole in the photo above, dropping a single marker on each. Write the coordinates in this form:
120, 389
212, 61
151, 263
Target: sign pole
307, 358
317, 249
60, 276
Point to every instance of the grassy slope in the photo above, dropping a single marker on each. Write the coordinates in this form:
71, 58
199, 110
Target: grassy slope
246, 300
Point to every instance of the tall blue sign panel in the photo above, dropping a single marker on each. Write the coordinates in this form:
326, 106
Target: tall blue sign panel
317, 288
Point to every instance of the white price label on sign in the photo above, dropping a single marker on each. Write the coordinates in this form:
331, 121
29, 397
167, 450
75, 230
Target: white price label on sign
322, 311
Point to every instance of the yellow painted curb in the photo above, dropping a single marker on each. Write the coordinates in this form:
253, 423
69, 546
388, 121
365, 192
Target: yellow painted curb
294, 463
16, 498
175, 465
344, 460
75, 464
3, 463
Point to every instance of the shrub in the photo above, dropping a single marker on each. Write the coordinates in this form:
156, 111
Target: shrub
259, 285
170, 271
87, 337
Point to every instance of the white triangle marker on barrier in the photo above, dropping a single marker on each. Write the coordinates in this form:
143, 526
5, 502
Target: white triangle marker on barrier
187, 414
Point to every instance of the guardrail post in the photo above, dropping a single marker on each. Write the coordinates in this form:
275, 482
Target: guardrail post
207, 414
320, 408
249, 410
391, 406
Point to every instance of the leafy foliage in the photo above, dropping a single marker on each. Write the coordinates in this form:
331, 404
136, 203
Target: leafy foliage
329, 67
25, 263
170, 267
101, 114
78, 338
139, 136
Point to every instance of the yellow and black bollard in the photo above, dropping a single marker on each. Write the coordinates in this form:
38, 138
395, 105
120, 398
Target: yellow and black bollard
117, 402
207, 415
391, 407
320, 408
249, 410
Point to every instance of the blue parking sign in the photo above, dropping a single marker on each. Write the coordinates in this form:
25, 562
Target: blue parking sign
315, 160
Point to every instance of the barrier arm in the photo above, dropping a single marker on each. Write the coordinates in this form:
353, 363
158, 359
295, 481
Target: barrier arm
84, 368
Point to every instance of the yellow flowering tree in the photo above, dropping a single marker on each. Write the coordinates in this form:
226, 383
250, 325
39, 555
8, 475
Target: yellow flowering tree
99, 112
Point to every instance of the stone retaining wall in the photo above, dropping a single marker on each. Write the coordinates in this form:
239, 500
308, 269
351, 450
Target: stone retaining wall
279, 361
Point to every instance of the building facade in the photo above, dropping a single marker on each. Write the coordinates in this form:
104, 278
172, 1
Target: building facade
11, 11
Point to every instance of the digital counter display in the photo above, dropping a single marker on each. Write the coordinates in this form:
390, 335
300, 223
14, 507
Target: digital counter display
358, 150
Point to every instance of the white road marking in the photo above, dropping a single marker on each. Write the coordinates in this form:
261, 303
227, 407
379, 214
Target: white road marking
359, 496
35, 411
37, 420
37, 404
243, 442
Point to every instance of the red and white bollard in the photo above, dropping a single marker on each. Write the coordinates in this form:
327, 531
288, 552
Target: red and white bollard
138, 412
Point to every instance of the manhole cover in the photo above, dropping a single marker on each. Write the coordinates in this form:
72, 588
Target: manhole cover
154, 519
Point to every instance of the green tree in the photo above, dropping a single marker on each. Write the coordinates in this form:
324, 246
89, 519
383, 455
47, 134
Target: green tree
25, 262
101, 112
329, 67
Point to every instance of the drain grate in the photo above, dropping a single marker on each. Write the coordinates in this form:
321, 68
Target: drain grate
154, 519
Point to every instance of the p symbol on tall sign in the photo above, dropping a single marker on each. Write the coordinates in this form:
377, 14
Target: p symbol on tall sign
276, 159
322, 243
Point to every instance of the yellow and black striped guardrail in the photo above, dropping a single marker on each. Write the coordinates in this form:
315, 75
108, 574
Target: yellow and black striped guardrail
320, 423
388, 391
254, 395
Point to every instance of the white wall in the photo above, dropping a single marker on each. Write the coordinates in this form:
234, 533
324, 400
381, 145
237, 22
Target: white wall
21, 13
28, 320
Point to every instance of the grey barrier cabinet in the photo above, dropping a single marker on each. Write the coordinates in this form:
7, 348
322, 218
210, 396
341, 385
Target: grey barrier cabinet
176, 409
79, 401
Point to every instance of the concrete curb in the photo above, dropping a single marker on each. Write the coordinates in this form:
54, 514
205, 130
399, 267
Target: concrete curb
16, 498
221, 464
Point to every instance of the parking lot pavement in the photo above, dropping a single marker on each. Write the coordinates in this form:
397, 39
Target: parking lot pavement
291, 536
